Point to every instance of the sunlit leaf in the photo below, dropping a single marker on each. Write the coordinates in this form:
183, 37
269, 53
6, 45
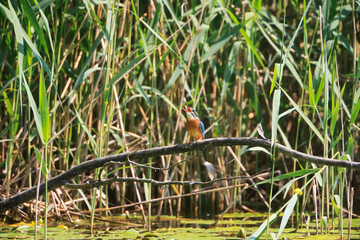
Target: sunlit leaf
263, 226
275, 115
44, 109
274, 79
258, 149
287, 213
311, 89
41, 161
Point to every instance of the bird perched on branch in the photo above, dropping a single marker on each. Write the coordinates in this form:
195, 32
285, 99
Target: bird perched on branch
194, 126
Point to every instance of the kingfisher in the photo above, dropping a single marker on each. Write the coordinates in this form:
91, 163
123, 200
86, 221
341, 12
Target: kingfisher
194, 126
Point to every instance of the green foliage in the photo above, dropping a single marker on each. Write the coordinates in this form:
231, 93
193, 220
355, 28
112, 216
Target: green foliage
85, 79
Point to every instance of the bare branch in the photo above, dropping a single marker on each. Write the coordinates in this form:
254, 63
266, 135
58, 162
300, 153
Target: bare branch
65, 177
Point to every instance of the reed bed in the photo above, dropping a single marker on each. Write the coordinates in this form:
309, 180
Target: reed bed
86, 79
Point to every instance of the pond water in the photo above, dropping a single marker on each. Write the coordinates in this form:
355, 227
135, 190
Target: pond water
232, 226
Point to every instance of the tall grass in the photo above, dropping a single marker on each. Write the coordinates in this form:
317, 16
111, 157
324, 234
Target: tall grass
81, 80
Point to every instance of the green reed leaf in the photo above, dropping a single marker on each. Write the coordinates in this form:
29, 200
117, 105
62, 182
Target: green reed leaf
44, 109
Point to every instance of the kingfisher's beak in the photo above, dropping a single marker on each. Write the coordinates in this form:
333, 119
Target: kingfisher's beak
187, 109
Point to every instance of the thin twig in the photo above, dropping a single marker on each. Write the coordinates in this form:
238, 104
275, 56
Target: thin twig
168, 198
99, 183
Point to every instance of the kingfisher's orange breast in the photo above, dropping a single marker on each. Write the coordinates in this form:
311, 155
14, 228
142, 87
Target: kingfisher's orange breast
193, 127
